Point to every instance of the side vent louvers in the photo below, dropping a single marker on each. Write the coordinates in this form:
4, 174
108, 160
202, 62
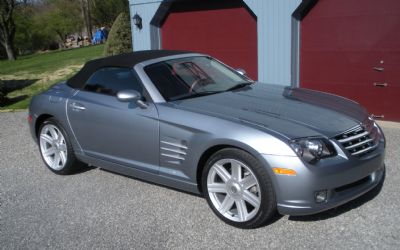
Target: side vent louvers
173, 151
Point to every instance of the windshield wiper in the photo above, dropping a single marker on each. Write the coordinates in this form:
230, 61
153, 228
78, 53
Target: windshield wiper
194, 94
239, 85
204, 93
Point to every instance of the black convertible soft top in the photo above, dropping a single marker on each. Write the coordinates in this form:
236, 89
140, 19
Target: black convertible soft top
127, 60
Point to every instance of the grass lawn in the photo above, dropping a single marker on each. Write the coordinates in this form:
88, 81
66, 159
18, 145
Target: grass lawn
39, 71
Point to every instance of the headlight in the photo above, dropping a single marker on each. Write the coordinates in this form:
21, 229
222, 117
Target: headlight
312, 149
380, 132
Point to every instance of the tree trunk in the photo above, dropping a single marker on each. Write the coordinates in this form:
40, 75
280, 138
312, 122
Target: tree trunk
10, 53
9, 50
62, 39
86, 17
89, 19
7, 27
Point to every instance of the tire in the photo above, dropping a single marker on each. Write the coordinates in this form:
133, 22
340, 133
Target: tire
238, 189
56, 149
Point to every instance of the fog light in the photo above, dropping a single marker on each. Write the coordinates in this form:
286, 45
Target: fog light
321, 196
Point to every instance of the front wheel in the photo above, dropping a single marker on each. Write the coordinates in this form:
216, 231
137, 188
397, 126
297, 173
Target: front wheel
238, 189
55, 148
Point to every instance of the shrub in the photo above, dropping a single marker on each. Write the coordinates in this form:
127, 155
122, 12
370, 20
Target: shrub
120, 38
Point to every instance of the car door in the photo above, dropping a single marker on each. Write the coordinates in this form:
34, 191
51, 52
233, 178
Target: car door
111, 130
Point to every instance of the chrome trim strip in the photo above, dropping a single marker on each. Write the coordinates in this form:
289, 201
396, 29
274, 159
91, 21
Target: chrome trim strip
358, 144
365, 150
173, 156
353, 137
174, 144
166, 58
353, 129
174, 150
368, 131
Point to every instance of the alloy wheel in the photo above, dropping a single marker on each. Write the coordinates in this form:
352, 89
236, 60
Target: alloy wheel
53, 147
234, 190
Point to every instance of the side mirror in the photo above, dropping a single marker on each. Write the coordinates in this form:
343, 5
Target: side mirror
128, 95
131, 95
241, 71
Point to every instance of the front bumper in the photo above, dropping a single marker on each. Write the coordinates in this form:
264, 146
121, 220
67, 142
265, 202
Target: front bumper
343, 180
32, 128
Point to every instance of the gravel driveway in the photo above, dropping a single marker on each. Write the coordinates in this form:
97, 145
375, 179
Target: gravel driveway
96, 209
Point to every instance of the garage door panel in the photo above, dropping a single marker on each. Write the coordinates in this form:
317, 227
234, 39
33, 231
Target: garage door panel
223, 29
352, 49
391, 66
333, 31
341, 66
345, 8
353, 92
393, 97
391, 78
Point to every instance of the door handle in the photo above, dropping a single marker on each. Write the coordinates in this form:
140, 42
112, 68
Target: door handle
378, 84
77, 107
378, 116
380, 69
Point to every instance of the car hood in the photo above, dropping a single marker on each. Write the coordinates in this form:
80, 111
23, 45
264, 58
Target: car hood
290, 112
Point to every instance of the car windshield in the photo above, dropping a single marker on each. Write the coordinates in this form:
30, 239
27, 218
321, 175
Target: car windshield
193, 76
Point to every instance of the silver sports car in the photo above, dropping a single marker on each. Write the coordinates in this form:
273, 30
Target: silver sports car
188, 121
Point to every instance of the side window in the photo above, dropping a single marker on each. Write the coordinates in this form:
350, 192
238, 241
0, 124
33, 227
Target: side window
168, 83
110, 80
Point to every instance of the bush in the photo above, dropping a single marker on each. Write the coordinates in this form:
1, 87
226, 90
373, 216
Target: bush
120, 37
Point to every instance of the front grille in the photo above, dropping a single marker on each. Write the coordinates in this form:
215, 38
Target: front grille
360, 140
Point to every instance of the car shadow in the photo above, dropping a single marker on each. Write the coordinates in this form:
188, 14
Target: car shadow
8, 86
277, 216
84, 169
150, 182
334, 212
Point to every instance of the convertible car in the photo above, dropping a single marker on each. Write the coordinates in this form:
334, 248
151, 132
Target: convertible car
188, 121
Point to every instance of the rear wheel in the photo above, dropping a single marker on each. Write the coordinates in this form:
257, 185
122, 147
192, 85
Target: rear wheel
238, 189
55, 148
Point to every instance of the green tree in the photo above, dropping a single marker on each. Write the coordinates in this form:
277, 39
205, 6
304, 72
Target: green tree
24, 22
120, 37
44, 24
7, 27
61, 19
104, 12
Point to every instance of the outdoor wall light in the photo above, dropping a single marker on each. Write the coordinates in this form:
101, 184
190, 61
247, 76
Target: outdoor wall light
137, 21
